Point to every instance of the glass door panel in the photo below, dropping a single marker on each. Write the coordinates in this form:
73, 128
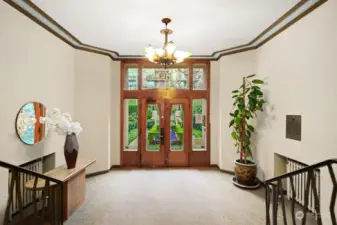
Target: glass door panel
176, 137
177, 128
152, 128
152, 135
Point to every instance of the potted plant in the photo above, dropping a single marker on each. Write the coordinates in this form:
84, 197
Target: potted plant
248, 100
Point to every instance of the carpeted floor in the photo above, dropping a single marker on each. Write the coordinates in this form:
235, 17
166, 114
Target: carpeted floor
168, 197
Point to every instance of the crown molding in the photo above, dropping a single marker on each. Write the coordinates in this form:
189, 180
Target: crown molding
32, 11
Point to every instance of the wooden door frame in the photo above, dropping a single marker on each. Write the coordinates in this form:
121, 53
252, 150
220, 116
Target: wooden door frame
132, 158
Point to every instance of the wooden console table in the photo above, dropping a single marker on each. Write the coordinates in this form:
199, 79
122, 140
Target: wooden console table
73, 188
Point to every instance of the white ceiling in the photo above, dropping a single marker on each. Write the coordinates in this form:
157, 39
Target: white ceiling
200, 27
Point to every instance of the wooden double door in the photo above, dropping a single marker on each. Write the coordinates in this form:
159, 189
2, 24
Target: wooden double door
165, 134
171, 132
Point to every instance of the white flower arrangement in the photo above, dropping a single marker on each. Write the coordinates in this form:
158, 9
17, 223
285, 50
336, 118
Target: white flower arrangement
61, 123
23, 122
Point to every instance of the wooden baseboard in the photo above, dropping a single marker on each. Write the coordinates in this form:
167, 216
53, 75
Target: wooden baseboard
227, 171
214, 166
119, 167
115, 167
102, 172
97, 173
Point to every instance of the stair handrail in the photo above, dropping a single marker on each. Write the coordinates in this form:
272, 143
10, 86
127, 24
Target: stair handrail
23, 170
15, 181
305, 169
274, 193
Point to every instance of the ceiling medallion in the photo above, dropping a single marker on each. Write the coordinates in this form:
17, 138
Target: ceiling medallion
167, 55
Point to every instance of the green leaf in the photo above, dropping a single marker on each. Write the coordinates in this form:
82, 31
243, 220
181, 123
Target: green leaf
247, 141
248, 133
234, 96
238, 120
251, 128
258, 81
235, 136
241, 107
232, 114
241, 101
253, 75
231, 123
249, 114
235, 91
258, 92
236, 113
249, 152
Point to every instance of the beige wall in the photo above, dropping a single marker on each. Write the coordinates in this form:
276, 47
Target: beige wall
34, 66
97, 100
232, 69
301, 71
214, 111
300, 68
115, 113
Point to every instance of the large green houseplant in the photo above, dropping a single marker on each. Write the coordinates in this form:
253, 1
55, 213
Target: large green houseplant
248, 100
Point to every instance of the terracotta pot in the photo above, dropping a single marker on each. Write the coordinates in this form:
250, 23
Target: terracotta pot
71, 149
245, 172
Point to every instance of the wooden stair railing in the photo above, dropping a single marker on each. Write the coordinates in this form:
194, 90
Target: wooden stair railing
52, 199
274, 194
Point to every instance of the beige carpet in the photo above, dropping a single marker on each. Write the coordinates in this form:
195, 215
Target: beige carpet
168, 197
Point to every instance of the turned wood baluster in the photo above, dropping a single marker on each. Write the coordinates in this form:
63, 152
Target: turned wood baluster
275, 204
34, 196
19, 193
10, 197
293, 197
51, 207
333, 195
280, 190
44, 197
317, 203
267, 204
306, 197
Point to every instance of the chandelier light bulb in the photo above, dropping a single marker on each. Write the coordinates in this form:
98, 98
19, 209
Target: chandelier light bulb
160, 52
170, 48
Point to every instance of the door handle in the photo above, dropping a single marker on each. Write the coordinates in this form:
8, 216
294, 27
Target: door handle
162, 136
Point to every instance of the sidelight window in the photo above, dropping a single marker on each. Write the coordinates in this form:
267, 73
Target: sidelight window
199, 134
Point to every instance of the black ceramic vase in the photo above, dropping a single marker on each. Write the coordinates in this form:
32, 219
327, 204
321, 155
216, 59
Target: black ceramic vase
71, 150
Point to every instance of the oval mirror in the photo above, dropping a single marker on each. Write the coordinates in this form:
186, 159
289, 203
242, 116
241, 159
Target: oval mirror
28, 126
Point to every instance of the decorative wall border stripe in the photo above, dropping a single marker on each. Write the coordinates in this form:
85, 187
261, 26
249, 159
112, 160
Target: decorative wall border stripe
32, 11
